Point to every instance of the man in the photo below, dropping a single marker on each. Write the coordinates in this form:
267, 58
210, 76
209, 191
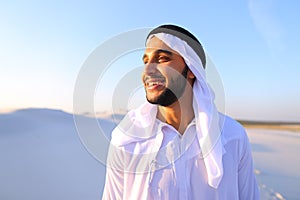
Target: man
177, 145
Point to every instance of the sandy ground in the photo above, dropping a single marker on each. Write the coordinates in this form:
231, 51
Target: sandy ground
42, 157
276, 162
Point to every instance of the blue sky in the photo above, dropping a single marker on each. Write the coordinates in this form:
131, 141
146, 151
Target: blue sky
253, 44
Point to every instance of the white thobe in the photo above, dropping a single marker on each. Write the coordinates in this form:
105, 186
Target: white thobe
178, 171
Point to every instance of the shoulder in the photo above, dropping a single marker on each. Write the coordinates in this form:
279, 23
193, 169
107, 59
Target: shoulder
234, 137
232, 130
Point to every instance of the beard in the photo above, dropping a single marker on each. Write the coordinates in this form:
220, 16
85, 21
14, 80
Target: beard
173, 92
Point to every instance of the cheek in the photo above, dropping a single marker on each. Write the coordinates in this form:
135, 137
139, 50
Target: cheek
170, 73
166, 69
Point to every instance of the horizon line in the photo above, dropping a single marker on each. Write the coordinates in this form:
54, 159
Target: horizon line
106, 113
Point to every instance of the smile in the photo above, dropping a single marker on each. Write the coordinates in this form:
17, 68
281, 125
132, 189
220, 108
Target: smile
154, 83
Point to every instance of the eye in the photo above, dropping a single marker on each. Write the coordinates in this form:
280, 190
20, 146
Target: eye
163, 59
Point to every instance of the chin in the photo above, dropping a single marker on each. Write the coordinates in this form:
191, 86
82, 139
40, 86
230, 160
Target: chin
152, 100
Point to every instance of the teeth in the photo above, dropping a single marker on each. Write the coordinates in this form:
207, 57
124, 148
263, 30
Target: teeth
154, 83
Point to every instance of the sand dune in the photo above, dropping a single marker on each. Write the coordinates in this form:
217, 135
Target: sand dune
276, 162
42, 157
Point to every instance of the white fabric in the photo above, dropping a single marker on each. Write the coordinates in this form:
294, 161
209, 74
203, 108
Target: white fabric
138, 150
208, 126
183, 178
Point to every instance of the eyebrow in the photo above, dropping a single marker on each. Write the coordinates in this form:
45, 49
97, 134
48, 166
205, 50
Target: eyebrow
158, 51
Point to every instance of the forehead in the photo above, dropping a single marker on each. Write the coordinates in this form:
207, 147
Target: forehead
155, 44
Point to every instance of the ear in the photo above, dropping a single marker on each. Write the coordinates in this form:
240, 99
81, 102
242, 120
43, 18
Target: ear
190, 74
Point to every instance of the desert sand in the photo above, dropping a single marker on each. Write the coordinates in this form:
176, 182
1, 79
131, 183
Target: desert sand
42, 157
276, 162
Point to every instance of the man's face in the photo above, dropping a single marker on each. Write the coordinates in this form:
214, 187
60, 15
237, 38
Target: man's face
165, 73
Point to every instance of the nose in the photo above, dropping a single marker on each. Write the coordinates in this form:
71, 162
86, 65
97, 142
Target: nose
150, 68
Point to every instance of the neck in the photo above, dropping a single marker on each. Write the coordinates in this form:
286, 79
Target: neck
179, 114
